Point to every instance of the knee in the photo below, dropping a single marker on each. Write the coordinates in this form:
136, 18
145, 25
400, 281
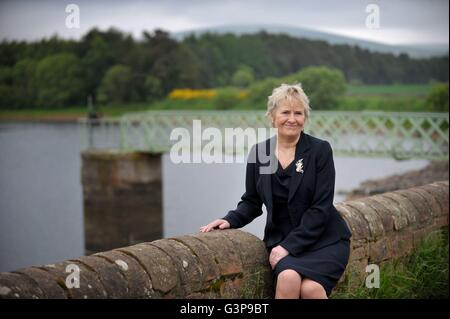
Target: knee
288, 276
312, 290
288, 284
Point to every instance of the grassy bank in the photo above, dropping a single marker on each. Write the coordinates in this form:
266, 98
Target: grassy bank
69, 113
423, 275
391, 98
390, 90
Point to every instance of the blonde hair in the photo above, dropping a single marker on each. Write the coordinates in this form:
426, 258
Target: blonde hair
288, 92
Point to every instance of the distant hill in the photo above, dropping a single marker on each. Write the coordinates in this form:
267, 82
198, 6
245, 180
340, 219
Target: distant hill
416, 50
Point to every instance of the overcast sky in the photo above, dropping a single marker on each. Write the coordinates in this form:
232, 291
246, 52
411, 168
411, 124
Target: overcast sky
401, 21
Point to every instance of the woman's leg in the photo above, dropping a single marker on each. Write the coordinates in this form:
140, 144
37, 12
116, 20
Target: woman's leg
311, 289
288, 285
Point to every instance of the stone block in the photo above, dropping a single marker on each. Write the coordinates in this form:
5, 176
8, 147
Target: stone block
226, 255
361, 252
395, 210
406, 206
90, 287
424, 212
357, 224
252, 250
109, 275
440, 193
210, 268
379, 251
373, 219
434, 208
186, 262
138, 280
402, 244
46, 282
18, 286
386, 216
158, 265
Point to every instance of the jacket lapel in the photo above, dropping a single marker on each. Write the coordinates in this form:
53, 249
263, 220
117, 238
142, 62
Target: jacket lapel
301, 152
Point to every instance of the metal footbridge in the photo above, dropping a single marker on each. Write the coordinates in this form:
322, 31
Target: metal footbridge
374, 134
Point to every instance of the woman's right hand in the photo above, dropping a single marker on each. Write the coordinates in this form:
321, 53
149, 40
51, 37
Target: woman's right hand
219, 223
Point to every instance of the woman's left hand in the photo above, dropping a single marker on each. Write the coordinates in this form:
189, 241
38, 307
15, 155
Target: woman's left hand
276, 255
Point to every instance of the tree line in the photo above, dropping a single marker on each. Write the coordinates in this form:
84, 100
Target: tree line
113, 67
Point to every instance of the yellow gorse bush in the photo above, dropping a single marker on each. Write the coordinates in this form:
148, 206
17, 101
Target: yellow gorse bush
206, 94
190, 94
242, 94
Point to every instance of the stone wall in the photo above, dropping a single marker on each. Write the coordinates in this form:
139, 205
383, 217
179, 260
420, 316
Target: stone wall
233, 263
121, 197
219, 264
392, 224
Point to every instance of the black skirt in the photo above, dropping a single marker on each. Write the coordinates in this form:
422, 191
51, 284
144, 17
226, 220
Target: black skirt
325, 265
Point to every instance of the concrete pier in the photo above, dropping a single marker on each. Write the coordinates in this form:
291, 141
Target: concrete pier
122, 198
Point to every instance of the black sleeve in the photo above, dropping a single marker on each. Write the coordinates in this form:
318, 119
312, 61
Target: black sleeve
250, 205
315, 218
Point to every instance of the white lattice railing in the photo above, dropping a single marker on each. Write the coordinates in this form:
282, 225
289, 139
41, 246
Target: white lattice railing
398, 135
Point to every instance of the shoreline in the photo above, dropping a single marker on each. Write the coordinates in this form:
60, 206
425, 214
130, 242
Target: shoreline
63, 118
437, 170
62, 115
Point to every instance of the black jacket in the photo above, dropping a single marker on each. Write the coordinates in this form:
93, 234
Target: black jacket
316, 221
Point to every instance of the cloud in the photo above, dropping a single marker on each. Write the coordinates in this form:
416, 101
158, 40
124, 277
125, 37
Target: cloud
400, 21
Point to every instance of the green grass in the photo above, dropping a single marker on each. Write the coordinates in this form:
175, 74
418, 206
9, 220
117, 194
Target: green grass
423, 275
395, 89
118, 110
68, 110
390, 98
383, 103
76, 111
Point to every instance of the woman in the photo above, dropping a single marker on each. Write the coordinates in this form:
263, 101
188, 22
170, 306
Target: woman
307, 239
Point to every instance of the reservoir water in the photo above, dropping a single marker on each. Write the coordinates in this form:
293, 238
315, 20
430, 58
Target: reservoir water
41, 217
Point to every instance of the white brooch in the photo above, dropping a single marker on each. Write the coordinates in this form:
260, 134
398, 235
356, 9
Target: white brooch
299, 166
